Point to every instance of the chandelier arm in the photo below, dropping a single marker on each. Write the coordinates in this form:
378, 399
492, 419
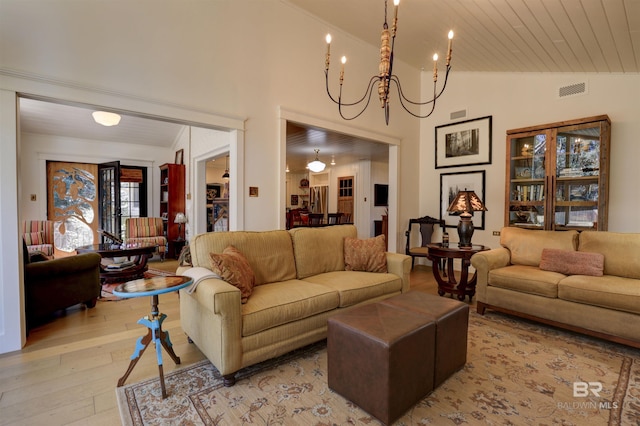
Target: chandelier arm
444, 85
338, 102
396, 80
326, 79
370, 89
402, 99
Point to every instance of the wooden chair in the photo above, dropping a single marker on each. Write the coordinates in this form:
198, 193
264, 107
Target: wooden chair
334, 218
316, 219
426, 225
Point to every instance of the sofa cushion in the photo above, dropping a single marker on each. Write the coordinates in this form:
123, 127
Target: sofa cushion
319, 250
270, 253
620, 251
608, 291
526, 245
365, 255
282, 302
526, 279
355, 287
569, 262
234, 268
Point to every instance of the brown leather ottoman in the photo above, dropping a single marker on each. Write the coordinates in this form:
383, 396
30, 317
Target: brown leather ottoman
452, 321
381, 358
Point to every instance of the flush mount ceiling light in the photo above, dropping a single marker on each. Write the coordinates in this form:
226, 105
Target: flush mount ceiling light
385, 76
106, 118
316, 165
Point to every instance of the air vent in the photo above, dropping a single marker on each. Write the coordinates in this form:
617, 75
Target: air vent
572, 90
458, 114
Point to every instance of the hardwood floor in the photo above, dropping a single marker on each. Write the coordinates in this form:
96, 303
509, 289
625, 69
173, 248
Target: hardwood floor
68, 370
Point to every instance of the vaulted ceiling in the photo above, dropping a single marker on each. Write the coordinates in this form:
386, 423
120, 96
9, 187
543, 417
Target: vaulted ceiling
499, 35
573, 36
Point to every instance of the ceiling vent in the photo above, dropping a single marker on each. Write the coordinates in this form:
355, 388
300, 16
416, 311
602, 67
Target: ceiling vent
458, 114
572, 90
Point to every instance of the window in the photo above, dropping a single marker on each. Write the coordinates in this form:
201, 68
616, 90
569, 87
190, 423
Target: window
133, 194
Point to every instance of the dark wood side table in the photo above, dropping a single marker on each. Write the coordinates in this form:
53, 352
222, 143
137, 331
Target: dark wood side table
139, 255
465, 286
152, 287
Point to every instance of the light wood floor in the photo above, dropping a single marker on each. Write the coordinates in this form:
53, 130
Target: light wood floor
68, 370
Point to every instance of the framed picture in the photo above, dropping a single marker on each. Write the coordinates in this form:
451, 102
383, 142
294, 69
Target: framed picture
253, 191
466, 143
294, 200
450, 184
213, 191
179, 156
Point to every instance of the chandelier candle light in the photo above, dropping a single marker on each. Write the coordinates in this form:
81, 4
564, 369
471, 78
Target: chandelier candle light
385, 76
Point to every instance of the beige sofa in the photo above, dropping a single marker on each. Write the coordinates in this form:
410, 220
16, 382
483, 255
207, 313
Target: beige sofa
300, 281
511, 280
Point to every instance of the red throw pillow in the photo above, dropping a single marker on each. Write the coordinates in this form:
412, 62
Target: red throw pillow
572, 262
365, 255
234, 268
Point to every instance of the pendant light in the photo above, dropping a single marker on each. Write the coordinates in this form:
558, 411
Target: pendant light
316, 165
226, 170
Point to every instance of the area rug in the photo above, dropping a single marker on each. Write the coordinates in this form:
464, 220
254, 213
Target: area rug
517, 373
107, 289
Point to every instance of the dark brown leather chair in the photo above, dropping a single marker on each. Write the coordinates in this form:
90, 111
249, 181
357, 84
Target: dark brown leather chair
53, 285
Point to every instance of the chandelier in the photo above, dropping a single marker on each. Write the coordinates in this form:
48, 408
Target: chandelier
385, 76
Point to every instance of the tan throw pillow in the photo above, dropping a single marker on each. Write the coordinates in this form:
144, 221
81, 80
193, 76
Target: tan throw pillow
365, 255
572, 262
34, 238
234, 268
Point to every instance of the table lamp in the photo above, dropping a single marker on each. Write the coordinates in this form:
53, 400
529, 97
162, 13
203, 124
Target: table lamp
180, 219
465, 203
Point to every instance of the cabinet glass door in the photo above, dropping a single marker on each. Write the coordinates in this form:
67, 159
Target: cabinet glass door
577, 177
527, 186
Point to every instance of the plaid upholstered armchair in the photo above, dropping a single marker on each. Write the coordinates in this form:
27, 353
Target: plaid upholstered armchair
146, 231
38, 236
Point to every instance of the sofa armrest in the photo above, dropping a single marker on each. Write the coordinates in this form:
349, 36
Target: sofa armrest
400, 265
484, 262
219, 297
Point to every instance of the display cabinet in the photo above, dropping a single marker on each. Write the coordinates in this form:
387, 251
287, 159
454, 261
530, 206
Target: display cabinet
171, 201
557, 175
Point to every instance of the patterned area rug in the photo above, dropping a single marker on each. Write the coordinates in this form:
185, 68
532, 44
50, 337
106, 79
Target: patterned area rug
517, 373
107, 289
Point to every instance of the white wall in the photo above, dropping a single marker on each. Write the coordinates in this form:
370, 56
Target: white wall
521, 100
227, 58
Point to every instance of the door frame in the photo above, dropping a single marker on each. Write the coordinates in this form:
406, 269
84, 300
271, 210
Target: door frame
361, 223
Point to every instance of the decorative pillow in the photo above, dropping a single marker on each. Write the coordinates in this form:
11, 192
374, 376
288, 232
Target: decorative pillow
234, 268
365, 255
34, 238
570, 262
